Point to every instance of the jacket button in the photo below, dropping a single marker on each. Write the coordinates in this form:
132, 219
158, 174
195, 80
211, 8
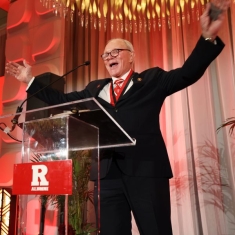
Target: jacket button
116, 110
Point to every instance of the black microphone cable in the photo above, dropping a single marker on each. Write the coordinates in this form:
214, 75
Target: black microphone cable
6, 130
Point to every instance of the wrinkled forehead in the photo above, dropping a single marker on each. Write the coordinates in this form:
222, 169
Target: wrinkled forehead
115, 44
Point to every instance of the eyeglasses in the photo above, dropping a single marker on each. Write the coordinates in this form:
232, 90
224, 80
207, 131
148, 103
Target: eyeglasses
113, 53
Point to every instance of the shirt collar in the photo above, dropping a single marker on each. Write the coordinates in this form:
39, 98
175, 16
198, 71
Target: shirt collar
123, 77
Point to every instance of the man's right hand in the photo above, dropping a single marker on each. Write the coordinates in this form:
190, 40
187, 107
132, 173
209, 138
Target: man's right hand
21, 72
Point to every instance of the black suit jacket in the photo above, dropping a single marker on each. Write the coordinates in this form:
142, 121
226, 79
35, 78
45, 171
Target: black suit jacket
137, 111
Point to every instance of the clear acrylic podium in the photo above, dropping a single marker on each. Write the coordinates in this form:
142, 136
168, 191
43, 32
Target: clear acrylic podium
71, 131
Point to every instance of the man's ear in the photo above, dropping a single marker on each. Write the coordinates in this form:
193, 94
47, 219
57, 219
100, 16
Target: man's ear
132, 57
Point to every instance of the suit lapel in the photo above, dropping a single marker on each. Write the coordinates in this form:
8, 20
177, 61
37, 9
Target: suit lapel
137, 84
98, 86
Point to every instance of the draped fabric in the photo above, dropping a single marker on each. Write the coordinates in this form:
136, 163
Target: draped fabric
2, 62
202, 159
2, 50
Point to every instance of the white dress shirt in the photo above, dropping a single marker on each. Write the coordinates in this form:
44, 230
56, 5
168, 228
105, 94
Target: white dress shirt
105, 92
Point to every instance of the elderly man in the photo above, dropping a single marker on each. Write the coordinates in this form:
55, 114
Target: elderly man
136, 179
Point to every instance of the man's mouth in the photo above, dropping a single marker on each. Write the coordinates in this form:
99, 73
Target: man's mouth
113, 64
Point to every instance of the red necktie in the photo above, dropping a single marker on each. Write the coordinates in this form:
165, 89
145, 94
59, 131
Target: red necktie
118, 85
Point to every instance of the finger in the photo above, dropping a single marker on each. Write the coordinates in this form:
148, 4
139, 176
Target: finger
26, 64
10, 72
9, 67
12, 68
14, 64
207, 9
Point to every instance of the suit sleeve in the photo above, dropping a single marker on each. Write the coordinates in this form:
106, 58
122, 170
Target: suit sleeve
52, 96
194, 67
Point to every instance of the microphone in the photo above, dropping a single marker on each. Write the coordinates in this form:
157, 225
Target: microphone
19, 108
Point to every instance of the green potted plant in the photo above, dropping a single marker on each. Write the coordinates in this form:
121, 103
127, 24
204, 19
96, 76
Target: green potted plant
77, 202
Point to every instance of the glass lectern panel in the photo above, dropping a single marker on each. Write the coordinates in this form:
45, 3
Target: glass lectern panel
74, 132
89, 111
54, 139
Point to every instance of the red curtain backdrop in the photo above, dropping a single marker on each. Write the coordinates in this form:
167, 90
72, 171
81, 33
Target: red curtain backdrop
203, 162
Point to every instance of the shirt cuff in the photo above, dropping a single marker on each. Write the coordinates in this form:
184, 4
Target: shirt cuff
211, 40
30, 82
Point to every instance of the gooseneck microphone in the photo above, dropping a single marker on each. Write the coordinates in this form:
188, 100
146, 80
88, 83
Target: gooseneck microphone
19, 108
